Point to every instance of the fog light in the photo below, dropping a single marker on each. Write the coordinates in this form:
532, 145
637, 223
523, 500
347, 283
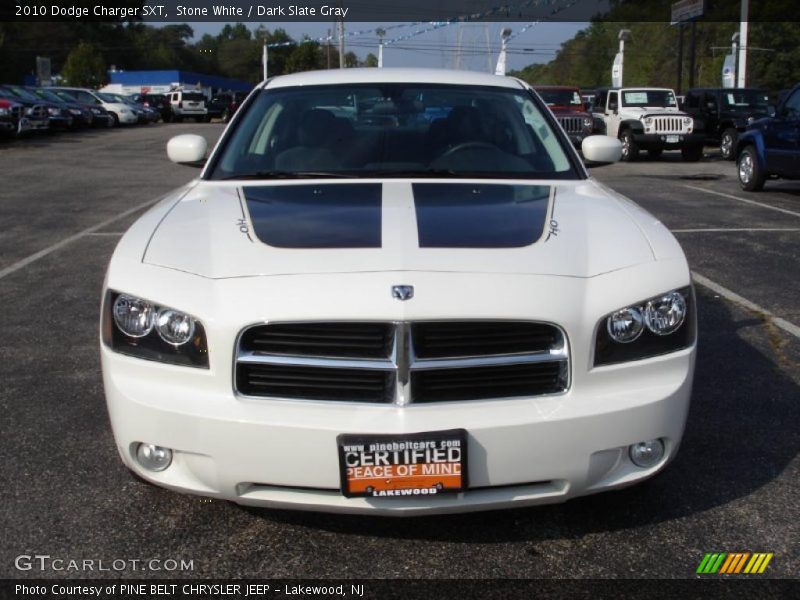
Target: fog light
153, 458
647, 453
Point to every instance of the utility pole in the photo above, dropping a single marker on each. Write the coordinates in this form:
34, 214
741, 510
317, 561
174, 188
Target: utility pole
264, 54
680, 59
380, 32
328, 49
341, 39
742, 72
693, 54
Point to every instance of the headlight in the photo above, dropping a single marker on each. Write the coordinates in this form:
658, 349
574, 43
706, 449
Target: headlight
143, 329
5, 111
54, 111
666, 314
655, 326
648, 121
587, 122
687, 120
75, 111
95, 111
133, 316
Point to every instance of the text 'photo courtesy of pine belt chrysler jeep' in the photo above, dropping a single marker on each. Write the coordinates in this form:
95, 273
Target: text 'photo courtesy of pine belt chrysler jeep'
399, 292
648, 119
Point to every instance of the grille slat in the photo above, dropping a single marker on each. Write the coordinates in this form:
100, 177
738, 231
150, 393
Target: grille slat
571, 124
446, 361
334, 340
502, 382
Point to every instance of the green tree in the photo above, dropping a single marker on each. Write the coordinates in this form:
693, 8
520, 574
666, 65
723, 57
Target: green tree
85, 66
371, 60
306, 56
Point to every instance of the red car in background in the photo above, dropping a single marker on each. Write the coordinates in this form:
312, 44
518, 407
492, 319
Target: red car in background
568, 108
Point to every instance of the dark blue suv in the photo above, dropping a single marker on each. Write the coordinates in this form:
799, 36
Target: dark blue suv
770, 147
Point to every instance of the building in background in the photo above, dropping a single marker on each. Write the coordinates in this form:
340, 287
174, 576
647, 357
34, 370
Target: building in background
160, 82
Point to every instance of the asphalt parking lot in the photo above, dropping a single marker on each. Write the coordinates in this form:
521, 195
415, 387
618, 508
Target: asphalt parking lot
64, 203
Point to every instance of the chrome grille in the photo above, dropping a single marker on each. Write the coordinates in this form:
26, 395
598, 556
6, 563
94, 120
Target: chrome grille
400, 363
571, 124
668, 124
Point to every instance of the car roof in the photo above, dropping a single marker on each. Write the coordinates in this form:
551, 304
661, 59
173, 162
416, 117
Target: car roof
555, 87
392, 75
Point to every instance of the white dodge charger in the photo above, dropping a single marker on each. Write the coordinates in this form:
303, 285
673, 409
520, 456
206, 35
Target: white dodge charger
399, 292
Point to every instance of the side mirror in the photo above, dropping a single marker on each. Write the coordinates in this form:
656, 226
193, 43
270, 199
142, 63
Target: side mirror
601, 150
188, 149
711, 105
771, 110
612, 106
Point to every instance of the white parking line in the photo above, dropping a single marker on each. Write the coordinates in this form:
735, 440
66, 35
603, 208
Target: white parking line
734, 229
745, 200
21, 264
788, 327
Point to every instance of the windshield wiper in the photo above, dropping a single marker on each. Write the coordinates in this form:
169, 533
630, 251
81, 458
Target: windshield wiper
288, 175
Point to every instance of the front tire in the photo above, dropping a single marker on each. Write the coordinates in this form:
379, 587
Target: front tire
727, 144
751, 176
114, 119
630, 151
692, 153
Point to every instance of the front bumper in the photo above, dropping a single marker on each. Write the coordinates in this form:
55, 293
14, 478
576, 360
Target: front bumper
658, 141
283, 454
128, 118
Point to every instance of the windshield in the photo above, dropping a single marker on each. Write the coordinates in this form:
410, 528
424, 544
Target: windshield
47, 95
750, 100
393, 130
106, 97
65, 96
561, 98
661, 98
22, 93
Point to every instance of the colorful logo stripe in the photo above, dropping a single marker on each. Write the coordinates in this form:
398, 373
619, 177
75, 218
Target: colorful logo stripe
734, 563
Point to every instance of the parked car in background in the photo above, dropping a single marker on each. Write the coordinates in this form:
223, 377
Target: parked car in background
647, 119
188, 104
100, 116
567, 106
770, 147
58, 116
11, 112
35, 114
121, 113
146, 114
81, 115
725, 113
350, 285
159, 102
223, 106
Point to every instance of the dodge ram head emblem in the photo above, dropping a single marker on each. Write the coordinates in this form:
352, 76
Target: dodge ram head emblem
403, 292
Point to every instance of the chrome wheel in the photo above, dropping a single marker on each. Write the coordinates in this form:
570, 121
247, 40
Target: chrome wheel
745, 168
726, 145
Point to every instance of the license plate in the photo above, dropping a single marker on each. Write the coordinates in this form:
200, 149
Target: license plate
403, 466
672, 139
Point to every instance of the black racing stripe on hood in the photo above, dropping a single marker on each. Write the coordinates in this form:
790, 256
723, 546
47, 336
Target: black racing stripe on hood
316, 216
468, 215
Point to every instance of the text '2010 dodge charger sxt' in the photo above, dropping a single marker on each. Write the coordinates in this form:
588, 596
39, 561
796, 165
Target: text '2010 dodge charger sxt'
398, 292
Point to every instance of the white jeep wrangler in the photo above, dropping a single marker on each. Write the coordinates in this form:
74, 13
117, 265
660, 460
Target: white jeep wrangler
647, 119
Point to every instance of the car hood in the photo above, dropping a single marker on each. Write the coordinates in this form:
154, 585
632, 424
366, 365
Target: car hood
227, 229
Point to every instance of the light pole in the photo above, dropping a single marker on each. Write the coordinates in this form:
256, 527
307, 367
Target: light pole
619, 59
380, 32
500, 69
742, 69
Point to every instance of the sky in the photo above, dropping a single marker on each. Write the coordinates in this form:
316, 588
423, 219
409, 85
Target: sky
439, 48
